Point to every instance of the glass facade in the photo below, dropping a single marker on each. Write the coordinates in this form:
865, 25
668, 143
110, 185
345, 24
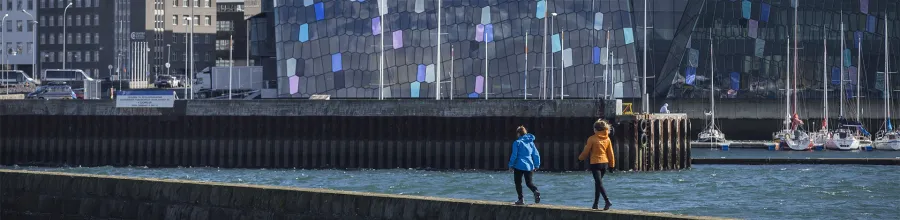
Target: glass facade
334, 47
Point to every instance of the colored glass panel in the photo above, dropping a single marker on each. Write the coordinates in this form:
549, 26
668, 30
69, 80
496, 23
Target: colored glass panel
555, 45
294, 82
304, 33
414, 89
864, 6
598, 21
479, 32
629, 35
595, 55
690, 75
336, 62
870, 24
488, 33
857, 39
752, 28
420, 73
851, 73
420, 6
486, 15
760, 48
735, 81
567, 57
479, 84
376, 26
541, 11
320, 11
473, 95
835, 75
291, 67
764, 11
847, 58
693, 57
382, 7
745, 9
398, 39
429, 73
307, 2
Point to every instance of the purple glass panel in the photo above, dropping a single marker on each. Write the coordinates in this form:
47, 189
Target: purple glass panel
852, 74
376, 25
479, 84
752, 27
479, 33
864, 6
398, 39
420, 73
295, 84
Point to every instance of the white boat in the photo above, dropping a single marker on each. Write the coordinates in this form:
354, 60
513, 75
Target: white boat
843, 138
791, 137
888, 138
711, 133
823, 136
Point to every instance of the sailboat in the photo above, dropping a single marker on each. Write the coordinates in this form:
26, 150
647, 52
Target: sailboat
888, 138
843, 138
819, 138
712, 133
791, 137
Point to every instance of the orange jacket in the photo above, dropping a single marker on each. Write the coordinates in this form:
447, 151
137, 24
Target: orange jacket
599, 147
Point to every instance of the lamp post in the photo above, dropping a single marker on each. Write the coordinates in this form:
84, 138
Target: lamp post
34, 44
168, 57
65, 23
3, 39
186, 52
552, 65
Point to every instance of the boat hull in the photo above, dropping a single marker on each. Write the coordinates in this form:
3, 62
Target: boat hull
887, 144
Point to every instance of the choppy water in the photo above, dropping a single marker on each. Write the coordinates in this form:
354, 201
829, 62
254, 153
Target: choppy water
763, 153
751, 192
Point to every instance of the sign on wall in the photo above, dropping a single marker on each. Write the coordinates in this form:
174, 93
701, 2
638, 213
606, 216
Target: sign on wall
145, 99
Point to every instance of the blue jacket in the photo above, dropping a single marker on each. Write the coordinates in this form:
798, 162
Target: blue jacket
525, 156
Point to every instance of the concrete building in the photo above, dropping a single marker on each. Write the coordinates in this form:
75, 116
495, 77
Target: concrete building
230, 25
133, 39
18, 34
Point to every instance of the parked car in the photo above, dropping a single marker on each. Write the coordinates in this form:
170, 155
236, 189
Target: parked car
52, 91
167, 81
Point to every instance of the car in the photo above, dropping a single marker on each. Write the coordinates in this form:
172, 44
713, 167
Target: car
167, 81
79, 93
52, 92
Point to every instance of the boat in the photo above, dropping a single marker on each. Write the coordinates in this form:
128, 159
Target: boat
887, 138
843, 138
791, 137
712, 134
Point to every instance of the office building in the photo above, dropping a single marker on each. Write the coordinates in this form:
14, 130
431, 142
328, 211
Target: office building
18, 34
231, 27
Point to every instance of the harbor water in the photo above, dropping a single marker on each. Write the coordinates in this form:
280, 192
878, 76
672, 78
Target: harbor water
738, 191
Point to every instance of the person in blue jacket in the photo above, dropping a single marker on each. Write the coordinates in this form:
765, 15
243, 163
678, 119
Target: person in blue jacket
524, 160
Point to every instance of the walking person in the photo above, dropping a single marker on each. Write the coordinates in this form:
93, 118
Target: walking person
599, 149
524, 160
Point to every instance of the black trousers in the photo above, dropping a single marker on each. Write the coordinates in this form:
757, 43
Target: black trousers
517, 175
598, 170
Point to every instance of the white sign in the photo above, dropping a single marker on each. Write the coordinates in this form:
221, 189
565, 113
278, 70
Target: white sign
145, 99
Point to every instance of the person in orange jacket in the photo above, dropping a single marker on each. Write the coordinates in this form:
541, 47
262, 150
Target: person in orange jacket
599, 149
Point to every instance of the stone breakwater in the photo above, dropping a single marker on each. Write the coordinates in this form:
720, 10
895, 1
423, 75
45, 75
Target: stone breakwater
49, 195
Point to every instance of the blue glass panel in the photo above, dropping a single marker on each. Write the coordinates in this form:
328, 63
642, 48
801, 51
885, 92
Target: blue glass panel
420, 73
760, 48
745, 9
304, 32
835, 75
629, 35
595, 58
307, 2
376, 26
857, 39
488, 33
473, 95
541, 11
486, 15
851, 73
764, 12
336, 62
555, 43
320, 11
690, 75
598, 21
870, 25
793, 3
413, 89
735, 81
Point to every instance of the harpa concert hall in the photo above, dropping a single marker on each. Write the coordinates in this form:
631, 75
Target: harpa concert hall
582, 48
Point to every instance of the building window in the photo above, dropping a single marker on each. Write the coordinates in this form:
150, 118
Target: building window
224, 26
196, 20
174, 19
43, 39
207, 20
52, 21
77, 56
87, 20
61, 56
87, 56
9, 4
97, 19
30, 5
96, 38
30, 27
60, 39
68, 20
87, 38
9, 25
184, 3
97, 55
174, 3
68, 37
77, 38
28, 47
50, 57
43, 3
209, 3
20, 26
43, 20
19, 5
186, 19
77, 20
196, 3
52, 38
61, 21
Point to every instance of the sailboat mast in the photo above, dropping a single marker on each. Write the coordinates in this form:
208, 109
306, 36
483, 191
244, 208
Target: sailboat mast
825, 78
712, 84
841, 81
887, 73
787, 84
858, 73
796, 37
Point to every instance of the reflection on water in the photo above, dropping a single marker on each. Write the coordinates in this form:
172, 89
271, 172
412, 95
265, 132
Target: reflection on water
753, 192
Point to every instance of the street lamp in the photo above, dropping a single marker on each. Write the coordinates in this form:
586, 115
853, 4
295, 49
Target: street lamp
168, 57
552, 64
65, 23
3, 38
33, 45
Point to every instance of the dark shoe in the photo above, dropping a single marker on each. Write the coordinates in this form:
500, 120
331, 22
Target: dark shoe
537, 197
594, 206
608, 204
520, 202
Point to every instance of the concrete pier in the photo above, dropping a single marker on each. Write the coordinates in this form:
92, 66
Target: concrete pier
427, 134
47, 195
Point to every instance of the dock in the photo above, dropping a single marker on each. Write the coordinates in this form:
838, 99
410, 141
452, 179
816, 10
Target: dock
774, 161
733, 144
